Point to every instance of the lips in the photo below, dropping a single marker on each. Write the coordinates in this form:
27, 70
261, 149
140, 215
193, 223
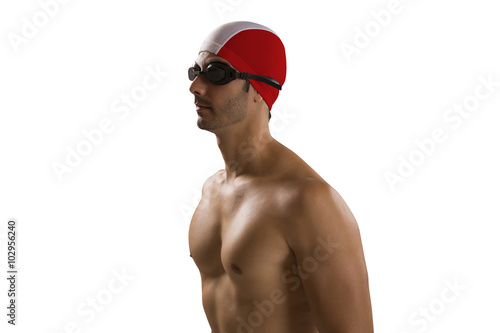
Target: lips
201, 107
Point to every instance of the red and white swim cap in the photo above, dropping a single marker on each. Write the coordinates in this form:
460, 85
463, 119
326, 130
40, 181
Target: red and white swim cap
251, 48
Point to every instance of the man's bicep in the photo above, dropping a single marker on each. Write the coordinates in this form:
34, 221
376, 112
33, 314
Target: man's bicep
328, 249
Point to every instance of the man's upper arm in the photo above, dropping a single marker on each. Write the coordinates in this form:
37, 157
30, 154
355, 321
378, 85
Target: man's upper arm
325, 238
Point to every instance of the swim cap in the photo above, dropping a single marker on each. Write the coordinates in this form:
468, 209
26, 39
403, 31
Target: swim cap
251, 48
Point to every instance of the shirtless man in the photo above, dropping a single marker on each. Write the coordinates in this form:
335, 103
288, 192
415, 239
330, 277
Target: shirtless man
277, 247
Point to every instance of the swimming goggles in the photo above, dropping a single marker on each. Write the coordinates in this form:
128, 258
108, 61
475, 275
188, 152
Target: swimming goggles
220, 73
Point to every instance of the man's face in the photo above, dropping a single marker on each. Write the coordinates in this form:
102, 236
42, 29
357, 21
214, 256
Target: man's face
218, 106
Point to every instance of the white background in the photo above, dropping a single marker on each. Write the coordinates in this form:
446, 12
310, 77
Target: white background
127, 205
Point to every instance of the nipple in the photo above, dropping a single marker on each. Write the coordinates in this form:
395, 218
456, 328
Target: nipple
236, 269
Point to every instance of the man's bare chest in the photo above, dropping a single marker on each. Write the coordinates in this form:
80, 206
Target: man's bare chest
237, 233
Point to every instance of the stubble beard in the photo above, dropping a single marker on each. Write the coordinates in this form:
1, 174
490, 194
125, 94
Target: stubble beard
233, 111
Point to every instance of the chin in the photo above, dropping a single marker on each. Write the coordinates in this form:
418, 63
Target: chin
205, 125
213, 124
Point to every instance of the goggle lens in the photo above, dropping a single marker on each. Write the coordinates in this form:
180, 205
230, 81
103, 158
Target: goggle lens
219, 73
216, 73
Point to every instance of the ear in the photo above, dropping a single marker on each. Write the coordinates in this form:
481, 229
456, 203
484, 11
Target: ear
256, 97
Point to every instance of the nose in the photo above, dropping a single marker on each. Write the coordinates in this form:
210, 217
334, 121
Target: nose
198, 86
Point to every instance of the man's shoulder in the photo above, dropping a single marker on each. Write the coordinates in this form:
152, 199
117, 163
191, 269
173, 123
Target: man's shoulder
212, 183
307, 190
316, 209
299, 177
216, 178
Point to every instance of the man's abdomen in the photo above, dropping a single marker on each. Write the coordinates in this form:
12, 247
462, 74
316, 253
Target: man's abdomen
268, 306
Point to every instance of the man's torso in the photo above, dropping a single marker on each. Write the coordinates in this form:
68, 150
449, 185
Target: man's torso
249, 275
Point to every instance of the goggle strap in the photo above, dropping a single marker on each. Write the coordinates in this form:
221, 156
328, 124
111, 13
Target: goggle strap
241, 75
265, 79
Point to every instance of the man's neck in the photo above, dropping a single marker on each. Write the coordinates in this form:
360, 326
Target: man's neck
246, 153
